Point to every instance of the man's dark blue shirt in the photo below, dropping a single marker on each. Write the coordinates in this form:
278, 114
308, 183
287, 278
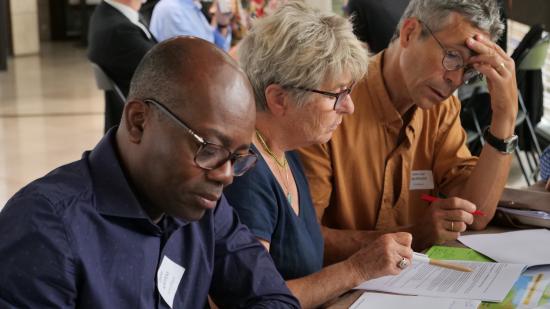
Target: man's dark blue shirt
78, 237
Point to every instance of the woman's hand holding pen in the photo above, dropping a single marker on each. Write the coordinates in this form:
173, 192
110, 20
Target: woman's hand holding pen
382, 257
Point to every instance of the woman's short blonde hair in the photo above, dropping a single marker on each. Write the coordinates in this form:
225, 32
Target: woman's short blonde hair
299, 46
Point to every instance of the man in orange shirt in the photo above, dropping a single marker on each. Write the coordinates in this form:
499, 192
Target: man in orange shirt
405, 138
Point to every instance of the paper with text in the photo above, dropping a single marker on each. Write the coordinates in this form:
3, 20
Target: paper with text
487, 281
379, 300
168, 279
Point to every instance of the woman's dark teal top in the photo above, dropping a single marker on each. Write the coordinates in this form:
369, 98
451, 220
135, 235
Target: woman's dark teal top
296, 243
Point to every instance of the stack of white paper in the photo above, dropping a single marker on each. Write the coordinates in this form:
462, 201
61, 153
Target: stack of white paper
487, 282
531, 247
378, 300
438, 287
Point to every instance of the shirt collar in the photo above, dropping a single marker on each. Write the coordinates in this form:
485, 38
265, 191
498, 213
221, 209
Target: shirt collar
196, 3
386, 111
381, 97
127, 11
114, 194
192, 3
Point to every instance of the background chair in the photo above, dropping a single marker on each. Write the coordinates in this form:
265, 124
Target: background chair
474, 99
529, 57
114, 98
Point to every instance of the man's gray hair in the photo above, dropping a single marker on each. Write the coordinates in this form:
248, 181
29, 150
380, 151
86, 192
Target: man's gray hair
299, 46
482, 14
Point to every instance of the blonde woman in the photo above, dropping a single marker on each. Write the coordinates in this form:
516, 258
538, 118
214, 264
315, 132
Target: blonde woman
302, 65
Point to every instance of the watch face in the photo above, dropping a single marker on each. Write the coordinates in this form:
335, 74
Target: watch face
511, 144
510, 148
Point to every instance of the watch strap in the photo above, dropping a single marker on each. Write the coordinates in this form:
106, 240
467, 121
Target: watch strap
507, 145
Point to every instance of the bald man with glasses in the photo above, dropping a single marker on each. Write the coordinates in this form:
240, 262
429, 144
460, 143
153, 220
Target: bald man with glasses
405, 139
140, 221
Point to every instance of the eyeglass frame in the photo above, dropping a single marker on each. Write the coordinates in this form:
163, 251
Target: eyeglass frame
338, 96
203, 143
467, 68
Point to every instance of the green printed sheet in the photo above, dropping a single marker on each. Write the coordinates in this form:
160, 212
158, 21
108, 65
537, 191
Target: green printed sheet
453, 253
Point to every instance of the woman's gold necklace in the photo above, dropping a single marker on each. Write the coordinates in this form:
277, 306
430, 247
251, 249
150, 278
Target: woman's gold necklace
281, 165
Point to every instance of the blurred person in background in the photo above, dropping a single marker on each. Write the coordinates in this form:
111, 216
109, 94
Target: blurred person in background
545, 167
117, 41
375, 21
185, 17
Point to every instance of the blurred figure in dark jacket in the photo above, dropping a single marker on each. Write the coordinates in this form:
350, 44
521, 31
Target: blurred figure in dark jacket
375, 21
117, 42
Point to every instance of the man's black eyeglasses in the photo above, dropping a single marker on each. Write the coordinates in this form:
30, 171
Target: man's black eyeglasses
339, 96
211, 156
452, 61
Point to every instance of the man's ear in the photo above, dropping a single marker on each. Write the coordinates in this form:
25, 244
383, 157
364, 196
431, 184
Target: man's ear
276, 99
135, 118
410, 29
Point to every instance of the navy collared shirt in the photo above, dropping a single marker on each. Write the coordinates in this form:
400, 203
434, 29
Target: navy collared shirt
78, 237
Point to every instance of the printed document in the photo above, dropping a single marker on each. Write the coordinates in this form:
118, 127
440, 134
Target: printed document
379, 300
488, 281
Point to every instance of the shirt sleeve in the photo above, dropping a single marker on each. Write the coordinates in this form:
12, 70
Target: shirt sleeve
453, 162
223, 42
35, 259
545, 164
317, 163
254, 199
240, 258
172, 21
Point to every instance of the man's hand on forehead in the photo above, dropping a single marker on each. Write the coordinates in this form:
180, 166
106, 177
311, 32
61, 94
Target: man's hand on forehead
499, 70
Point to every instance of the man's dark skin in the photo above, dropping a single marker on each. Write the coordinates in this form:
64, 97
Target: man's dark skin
206, 90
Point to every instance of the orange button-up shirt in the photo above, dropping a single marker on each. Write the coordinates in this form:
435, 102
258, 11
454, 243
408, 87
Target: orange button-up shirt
361, 178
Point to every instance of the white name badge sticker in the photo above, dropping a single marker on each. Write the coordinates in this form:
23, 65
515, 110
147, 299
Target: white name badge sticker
168, 279
421, 180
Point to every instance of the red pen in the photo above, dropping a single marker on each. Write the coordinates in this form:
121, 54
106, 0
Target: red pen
430, 199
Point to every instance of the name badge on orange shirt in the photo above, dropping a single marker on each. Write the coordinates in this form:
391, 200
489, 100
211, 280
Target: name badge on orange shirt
421, 180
